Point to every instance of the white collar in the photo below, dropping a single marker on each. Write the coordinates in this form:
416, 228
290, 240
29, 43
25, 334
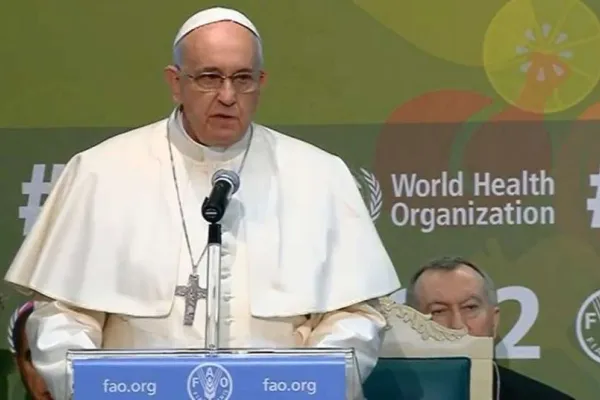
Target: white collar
198, 152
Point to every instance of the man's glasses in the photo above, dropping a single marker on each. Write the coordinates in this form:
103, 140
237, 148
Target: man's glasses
242, 82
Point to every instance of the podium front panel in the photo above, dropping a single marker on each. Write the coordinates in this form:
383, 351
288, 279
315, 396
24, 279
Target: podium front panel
204, 375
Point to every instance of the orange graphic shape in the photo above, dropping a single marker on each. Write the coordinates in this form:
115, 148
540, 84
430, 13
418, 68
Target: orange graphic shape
512, 141
418, 138
536, 95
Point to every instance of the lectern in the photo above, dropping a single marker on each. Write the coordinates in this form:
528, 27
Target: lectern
223, 374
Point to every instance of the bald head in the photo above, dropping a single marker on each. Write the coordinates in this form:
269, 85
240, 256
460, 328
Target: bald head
228, 38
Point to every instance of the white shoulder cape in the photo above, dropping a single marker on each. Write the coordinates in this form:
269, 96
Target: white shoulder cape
109, 235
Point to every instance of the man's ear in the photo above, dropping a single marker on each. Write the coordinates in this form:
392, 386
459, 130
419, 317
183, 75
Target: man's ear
262, 80
496, 320
173, 79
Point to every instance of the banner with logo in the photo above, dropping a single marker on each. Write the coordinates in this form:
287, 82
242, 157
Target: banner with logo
472, 128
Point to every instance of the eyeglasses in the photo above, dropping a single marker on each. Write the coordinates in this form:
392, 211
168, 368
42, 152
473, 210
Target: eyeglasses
242, 82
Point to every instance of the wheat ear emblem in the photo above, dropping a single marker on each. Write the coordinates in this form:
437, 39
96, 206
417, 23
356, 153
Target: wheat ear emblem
375, 202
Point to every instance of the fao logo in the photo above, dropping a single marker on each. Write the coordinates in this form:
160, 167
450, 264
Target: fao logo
588, 326
209, 382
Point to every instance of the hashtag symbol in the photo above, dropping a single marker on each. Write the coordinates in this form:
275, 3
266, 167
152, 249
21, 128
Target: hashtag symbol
35, 190
593, 204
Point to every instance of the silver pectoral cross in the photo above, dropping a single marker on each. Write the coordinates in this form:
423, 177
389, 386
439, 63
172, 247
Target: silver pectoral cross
192, 293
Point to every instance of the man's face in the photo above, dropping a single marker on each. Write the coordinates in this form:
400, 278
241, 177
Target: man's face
218, 117
33, 382
456, 299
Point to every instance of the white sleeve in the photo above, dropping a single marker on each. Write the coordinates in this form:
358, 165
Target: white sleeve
361, 327
51, 331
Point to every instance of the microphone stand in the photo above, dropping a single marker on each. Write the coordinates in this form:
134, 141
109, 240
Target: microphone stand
213, 286
213, 210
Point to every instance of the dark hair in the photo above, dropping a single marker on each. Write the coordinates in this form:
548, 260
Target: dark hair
18, 331
449, 263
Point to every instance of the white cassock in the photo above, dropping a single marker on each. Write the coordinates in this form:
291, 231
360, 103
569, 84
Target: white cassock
301, 256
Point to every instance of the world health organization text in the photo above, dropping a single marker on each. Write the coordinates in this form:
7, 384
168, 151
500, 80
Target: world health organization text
475, 190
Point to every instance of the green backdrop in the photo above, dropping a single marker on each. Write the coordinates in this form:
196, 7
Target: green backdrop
403, 91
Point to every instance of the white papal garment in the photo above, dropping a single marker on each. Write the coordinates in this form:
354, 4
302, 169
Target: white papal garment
301, 257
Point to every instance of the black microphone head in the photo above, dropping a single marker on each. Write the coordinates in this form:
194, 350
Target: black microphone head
229, 176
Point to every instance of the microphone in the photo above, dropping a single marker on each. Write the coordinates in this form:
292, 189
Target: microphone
225, 184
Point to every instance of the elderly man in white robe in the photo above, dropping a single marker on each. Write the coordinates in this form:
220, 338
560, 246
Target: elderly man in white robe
121, 234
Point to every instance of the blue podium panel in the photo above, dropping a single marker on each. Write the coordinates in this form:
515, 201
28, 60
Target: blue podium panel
206, 376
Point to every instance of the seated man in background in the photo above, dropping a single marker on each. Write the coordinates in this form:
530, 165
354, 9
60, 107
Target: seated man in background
19, 345
458, 294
